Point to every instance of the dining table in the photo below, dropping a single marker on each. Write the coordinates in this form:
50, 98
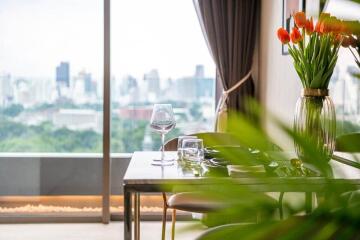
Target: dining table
143, 177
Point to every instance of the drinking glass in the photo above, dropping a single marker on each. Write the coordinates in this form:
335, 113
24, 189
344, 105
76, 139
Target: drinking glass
193, 150
162, 121
179, 147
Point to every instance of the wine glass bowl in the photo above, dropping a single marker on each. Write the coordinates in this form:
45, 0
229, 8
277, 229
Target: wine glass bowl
162, 121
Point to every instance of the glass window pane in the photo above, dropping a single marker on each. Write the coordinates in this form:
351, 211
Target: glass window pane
51, 68
158, 55
344, 86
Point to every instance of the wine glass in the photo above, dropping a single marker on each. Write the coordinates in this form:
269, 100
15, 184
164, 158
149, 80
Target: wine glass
162, 121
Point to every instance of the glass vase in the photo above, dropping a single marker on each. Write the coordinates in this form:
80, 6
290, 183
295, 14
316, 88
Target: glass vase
315, 120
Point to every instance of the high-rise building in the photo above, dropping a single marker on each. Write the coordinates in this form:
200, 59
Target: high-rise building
185, 89
127, 84
6, 90
152, 81
83, 88
24, 93
89, 85
205, 87
195, 87
199, 71
63, 74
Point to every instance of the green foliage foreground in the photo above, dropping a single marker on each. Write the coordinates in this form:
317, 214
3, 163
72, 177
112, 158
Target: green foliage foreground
337, 216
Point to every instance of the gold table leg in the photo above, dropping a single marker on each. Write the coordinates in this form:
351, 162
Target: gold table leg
137, 216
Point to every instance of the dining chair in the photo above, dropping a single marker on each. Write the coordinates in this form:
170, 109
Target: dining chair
193, 201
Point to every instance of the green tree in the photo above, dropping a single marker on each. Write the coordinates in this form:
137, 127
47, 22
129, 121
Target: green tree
13, 110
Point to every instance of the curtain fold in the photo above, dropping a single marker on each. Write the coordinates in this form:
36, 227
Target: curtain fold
229, 28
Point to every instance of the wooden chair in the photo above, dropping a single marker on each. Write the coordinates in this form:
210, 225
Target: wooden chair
192, 201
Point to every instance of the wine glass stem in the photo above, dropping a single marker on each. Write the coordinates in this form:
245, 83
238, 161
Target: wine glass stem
163, 147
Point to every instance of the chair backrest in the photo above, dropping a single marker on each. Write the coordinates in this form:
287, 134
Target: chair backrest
348, 143
210, 139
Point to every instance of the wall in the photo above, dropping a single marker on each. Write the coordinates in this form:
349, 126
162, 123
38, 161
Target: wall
280, 86
54, 175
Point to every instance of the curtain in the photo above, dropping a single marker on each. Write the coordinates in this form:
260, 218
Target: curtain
229, 28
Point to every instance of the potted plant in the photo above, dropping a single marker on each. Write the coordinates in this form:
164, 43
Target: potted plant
314, 50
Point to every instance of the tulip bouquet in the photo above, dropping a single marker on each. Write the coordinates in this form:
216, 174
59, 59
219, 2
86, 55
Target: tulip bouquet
314, 49
315, 53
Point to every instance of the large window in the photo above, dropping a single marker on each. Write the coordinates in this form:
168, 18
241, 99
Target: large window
345, 90
51, 68
158, 56
51, 95
344, 86
51, 81
51, 73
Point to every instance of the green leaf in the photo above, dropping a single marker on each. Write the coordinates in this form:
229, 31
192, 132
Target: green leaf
316, 82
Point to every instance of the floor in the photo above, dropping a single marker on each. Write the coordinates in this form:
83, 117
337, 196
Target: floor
94, 231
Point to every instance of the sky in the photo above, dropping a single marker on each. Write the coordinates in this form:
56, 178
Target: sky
36, 35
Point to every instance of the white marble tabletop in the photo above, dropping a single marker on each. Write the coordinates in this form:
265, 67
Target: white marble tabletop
141, 171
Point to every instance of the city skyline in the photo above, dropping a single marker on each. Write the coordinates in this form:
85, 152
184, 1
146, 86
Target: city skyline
81, 88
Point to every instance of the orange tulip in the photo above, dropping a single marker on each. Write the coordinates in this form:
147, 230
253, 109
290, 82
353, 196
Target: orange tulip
324, 15
346, 27
283, 36
326, 26
295, 35
300, 19
337, 39
336, 26
317, 27
309, 26
321, 26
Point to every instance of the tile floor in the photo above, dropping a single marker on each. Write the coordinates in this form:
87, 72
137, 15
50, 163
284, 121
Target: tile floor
94, 231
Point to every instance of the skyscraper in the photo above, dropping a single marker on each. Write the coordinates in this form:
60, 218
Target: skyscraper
63, 74
6, 89
199, 71
128, 83
152, 80
90, 86
205, 87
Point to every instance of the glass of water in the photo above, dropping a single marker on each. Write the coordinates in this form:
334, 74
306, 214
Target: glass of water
180, 142
193, 150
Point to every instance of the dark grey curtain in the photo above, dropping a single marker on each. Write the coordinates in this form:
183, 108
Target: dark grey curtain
229, 27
